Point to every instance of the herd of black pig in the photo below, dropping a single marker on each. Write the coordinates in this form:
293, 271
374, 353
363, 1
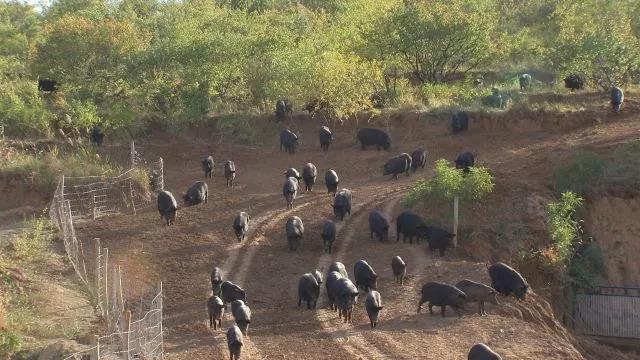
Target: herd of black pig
341, 291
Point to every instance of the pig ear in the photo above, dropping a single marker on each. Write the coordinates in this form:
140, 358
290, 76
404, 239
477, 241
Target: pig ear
380, 308
322, 269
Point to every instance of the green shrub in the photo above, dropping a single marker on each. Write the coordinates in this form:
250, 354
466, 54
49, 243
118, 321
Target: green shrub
22, 110
449, 182
625, 168
586, 266
33, 243
10, 342
582, 173
563, 228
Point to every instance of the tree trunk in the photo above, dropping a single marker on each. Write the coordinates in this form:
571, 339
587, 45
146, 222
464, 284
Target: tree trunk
455, 221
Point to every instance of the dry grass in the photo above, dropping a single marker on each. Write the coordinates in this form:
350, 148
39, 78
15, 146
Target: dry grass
32, 310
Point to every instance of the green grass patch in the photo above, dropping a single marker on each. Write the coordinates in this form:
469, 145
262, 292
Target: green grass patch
589, 172
582, 173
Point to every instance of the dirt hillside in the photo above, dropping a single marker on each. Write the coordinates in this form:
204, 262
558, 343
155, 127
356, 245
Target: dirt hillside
183, 255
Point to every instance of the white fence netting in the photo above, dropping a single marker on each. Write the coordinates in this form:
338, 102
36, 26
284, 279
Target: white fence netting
134, 331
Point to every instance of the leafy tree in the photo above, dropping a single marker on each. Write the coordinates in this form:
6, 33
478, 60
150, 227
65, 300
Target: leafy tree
597, 39
439, 39
449, 183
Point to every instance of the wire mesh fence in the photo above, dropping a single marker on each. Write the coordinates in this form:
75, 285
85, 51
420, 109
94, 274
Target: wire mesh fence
89, 198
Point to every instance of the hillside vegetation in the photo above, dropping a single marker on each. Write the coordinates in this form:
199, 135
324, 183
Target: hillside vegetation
132, 64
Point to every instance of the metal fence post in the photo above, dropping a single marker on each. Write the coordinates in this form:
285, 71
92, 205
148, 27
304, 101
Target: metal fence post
106, 284
98, 346
161, 333
132, 153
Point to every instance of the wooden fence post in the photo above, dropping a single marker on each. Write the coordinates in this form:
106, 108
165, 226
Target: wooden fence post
455, 221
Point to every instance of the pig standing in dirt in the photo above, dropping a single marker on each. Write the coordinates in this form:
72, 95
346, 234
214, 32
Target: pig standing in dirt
326, 138
617, 98
339, 267
230, 292
241, 225
481, 351
525, 82
167, 206
342, 203
241, 314
477, 292
379, 225
409, 225
373, 304
374, 137
438, 239
459, 122
397, 165
216, 280
465, 161
399, 268
506, 281
346, 294
229, 172
328, 235
309, 174
288, 141
207, 166
364, 275
292, 172
442, 295
295, 231
331, 281
197, 193
234, 342
290, 190
331, 180
418, 159
215, 308
309, 289
575, 82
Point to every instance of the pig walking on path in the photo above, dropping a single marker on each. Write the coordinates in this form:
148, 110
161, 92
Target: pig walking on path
241, 225
295, 231
442, 295
309, 289
328, 235
399, 268
331, 180
481, 351
477, 292
373, 305
506, 281
215, 307
309, 174
289, 191
229, 172
241, 314
167, 206
234, 342
207, 166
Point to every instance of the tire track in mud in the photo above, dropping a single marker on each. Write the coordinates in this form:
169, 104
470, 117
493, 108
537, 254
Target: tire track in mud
246, 251
349, 338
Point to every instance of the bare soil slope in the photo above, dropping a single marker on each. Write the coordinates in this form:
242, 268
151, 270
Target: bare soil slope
183, 255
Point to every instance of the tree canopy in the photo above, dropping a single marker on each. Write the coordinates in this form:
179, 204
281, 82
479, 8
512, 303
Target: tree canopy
133, 62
